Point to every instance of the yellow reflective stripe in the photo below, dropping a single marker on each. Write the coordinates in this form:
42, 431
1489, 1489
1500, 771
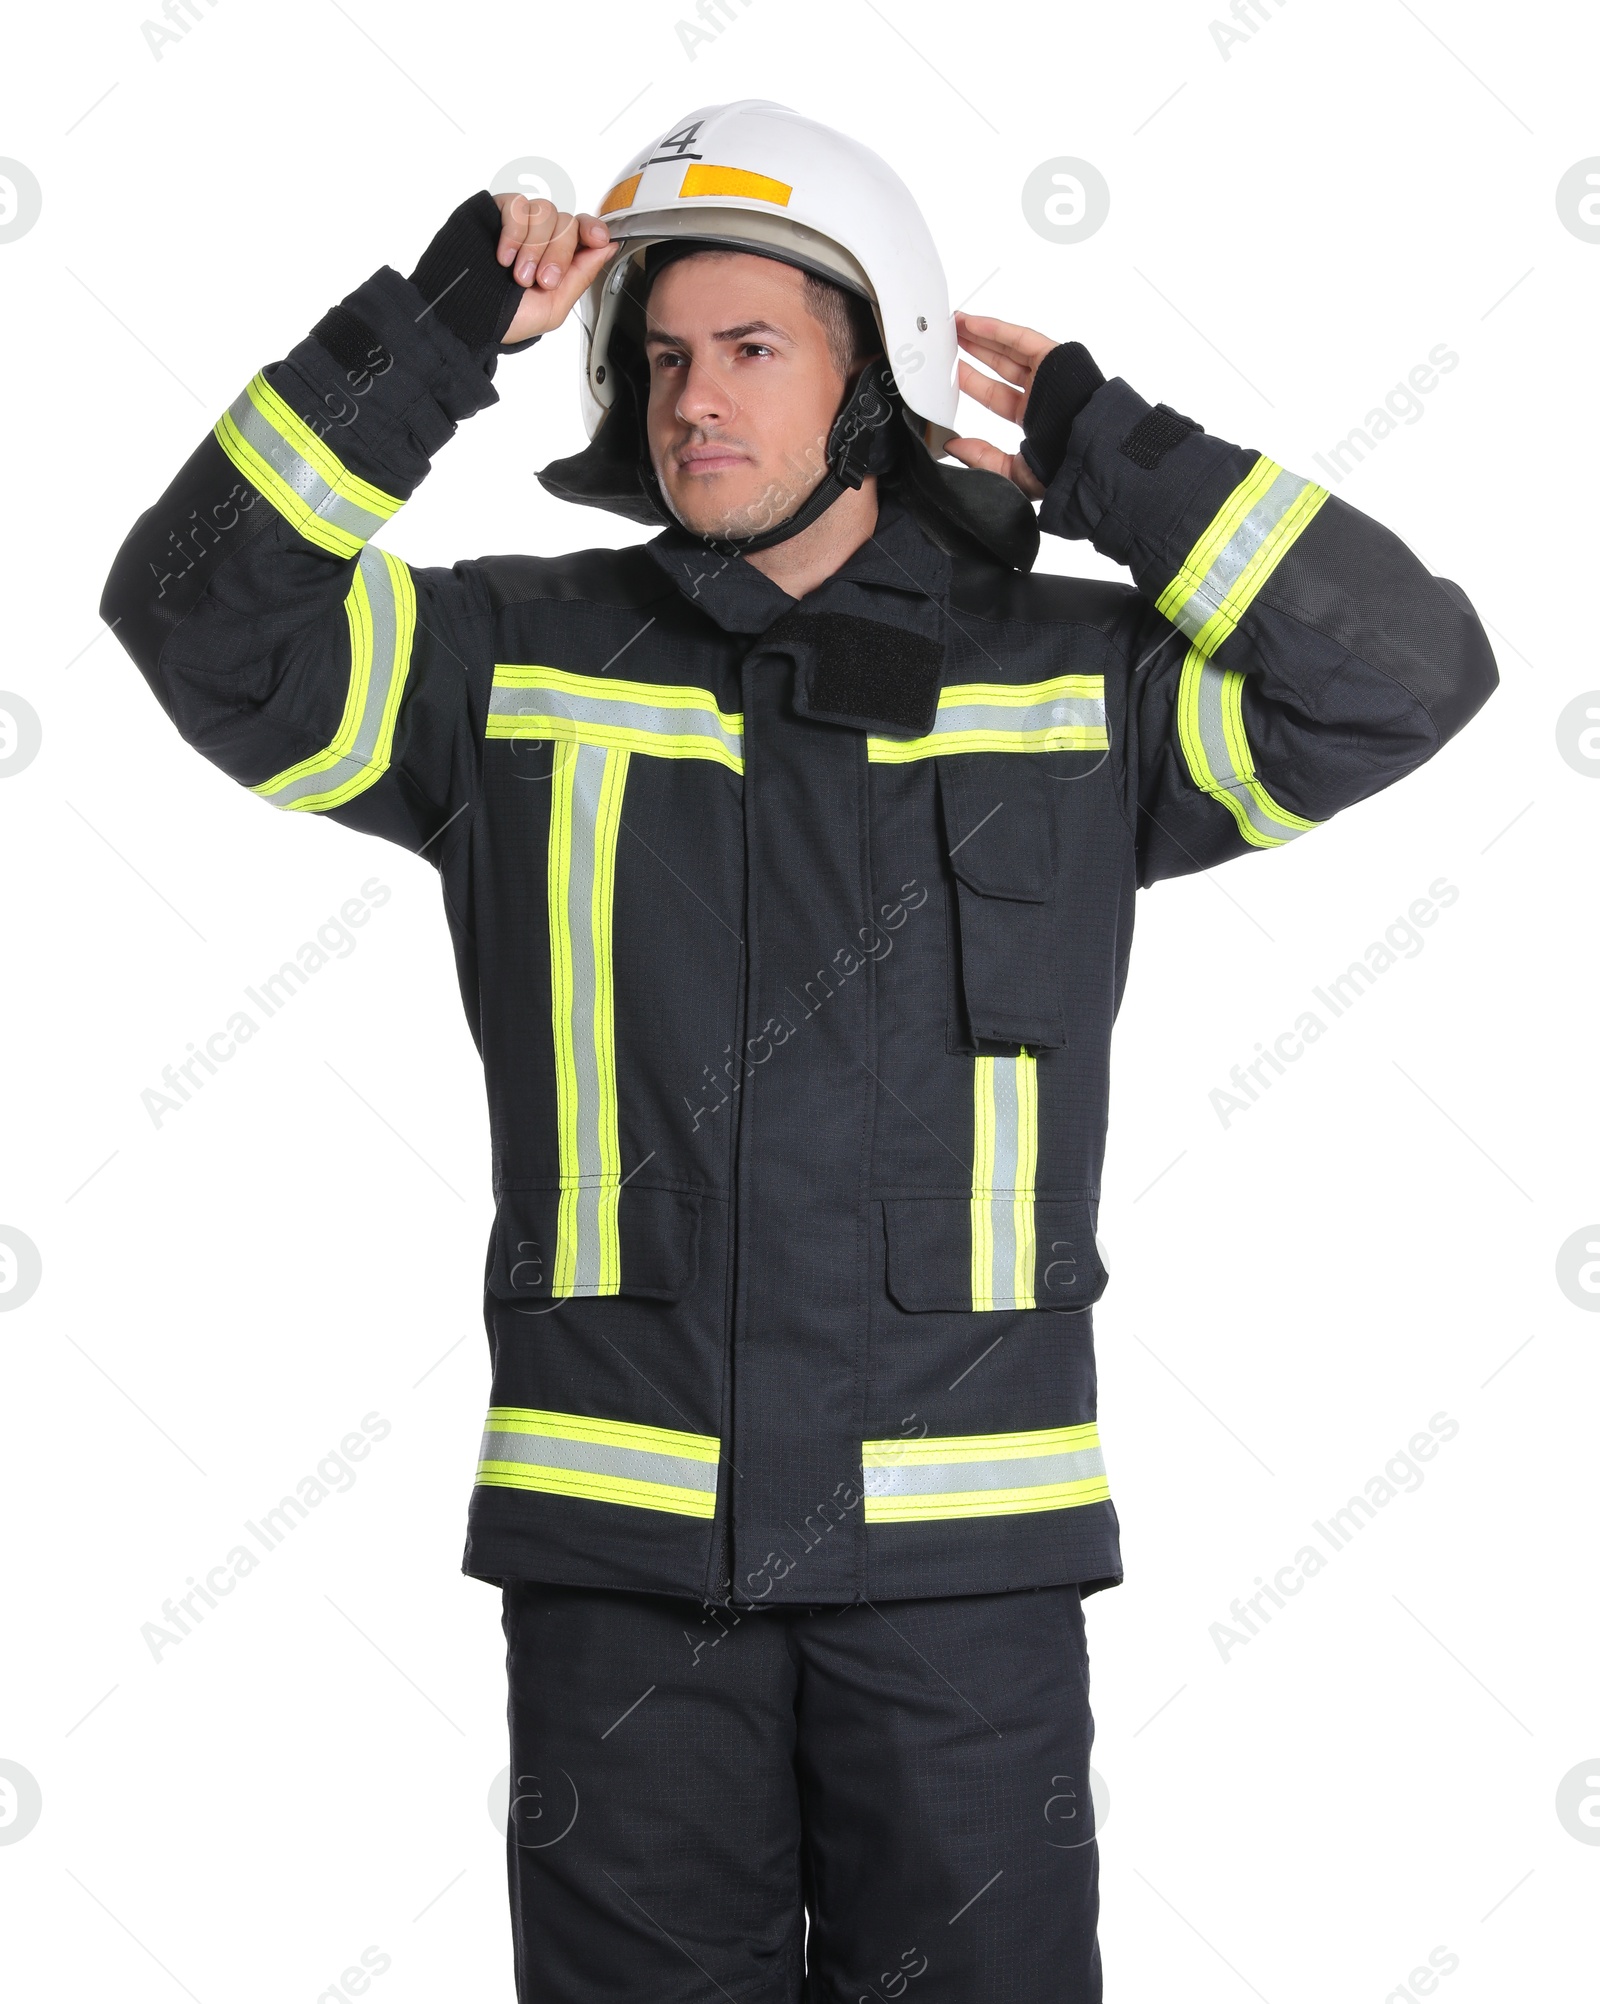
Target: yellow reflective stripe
614, 688
1245, 542
1216, 536
1273, 548
606, 1433
600, 1461
982, 1475
1021, 695
662, 719
1255, 527
988, 1502
935, 1450
982, 1181
608, 827
597, 1488
1022, 1213
1064, 713
1059, 737
309, 485
1005, 1153
381, 614
704, 179
585, 819
558, 875
1211, 735
579, 731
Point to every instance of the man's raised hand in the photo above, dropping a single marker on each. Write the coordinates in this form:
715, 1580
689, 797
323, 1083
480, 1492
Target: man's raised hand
556, 256
1012, 352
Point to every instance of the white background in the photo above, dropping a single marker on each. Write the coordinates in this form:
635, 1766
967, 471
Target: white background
223, 1297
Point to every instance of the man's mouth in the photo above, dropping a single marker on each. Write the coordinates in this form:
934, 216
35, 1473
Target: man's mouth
709, 459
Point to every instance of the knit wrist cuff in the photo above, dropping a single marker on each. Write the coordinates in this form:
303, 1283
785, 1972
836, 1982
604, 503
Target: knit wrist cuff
1062, 384
463, 282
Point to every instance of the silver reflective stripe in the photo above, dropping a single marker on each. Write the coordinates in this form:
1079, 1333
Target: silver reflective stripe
589, 765
380, 610
297, 473
660, 719
1212, 735
374, 662
634, 1464
1065, 713
1226, 568
943, 1477
585, 817
1003, 1180
1005, 1134
1083, 711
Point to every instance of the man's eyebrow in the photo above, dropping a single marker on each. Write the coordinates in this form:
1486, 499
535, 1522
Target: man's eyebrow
725, 334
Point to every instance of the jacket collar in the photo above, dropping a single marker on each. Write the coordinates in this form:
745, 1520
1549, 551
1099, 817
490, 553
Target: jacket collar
898, 575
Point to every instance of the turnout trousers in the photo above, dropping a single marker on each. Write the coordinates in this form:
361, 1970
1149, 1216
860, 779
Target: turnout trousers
692, 1783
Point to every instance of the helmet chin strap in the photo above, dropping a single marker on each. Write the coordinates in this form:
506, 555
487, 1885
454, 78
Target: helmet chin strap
860, 441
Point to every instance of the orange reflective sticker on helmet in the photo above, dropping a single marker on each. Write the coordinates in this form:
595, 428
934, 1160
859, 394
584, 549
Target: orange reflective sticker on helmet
621, 196
703, 180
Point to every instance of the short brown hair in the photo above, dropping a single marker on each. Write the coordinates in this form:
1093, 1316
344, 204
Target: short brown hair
846, 319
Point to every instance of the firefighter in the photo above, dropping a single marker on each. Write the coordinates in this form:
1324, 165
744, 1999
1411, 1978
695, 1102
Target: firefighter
790, 859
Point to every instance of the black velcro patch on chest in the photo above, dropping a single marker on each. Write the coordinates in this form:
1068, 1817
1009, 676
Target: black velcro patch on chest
864, 671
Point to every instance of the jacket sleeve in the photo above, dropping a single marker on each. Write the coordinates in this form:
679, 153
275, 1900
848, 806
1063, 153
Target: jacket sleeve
313, 667
1290, 655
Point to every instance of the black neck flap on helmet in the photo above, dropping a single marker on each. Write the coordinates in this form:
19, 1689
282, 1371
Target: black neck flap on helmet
966, 510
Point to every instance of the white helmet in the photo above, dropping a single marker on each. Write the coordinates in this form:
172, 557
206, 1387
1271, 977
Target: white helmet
757, 174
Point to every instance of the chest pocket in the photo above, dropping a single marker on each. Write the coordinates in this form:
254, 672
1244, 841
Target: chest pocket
1009, 936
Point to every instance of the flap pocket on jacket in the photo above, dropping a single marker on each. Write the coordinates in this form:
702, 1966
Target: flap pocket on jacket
997, 824
548, 1244
1009, 944
1007, 1250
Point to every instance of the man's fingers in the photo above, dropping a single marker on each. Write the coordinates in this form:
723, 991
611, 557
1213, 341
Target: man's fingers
1005, 403
1005, 359
545, 250
978, 452
989, 458
528, 230
578, 277
516, 220
1025, 344
505, 249
1003, 363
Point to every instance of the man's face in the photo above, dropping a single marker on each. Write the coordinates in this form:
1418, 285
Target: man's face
743, 391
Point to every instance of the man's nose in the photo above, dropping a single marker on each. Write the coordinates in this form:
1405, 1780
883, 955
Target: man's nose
705, 397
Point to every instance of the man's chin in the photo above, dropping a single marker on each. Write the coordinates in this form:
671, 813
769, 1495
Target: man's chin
705, 506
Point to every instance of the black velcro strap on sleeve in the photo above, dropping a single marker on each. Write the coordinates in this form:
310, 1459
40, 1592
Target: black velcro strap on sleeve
351, 342
462, 280
1154, 436
1062, 384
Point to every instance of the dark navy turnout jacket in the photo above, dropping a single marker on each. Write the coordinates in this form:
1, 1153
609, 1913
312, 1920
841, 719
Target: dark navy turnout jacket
794, 990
